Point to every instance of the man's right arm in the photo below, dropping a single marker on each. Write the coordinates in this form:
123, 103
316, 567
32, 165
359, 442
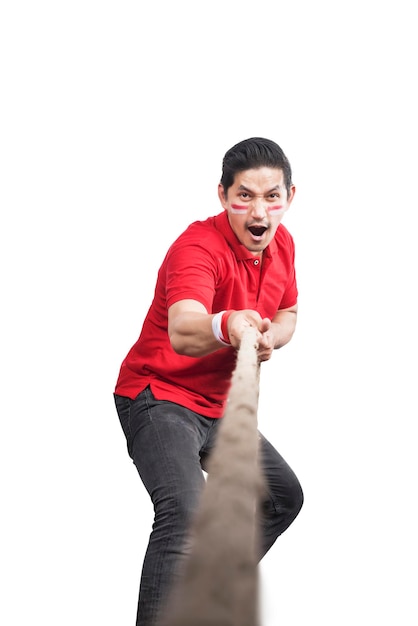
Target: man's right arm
191, 333
190, 329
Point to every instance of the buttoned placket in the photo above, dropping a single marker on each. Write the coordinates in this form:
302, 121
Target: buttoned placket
257, 265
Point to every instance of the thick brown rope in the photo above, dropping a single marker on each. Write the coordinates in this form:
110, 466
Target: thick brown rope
219, 586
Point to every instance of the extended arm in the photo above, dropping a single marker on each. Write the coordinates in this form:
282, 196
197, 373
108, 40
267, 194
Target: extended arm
191, 334
190, 329
277, 333
284, 324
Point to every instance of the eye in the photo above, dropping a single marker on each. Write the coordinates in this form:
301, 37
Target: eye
274, 196
244, 195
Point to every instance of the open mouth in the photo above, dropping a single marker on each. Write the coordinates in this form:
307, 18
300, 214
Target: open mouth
257, 231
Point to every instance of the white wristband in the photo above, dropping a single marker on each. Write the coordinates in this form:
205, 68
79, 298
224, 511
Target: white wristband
216, 328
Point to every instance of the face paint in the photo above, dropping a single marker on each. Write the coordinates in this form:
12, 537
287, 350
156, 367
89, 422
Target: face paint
238, 208
275, 210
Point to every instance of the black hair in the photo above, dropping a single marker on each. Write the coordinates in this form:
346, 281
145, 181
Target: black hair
252, 154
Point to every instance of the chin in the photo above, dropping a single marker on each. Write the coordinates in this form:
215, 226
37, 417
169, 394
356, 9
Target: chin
258, 249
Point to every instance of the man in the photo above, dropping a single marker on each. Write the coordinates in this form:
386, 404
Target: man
221, 275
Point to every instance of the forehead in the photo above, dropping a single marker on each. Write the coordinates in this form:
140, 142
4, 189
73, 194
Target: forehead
260, 179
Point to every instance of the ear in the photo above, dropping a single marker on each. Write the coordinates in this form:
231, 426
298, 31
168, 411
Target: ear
291, 195
222, 196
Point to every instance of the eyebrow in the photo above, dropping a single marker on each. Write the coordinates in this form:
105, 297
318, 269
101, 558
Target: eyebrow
275, 188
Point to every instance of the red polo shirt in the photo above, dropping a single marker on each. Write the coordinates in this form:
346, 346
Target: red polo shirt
206, 263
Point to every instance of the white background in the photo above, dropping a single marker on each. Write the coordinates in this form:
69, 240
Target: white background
114, 120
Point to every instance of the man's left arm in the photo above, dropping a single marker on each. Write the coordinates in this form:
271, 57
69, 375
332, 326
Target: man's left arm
283, 325
278, 332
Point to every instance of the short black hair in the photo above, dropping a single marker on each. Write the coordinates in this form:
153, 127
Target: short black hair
254, 153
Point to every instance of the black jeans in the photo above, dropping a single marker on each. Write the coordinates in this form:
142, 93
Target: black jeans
169, 445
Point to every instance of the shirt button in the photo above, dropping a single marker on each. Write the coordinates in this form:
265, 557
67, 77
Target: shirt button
256, 262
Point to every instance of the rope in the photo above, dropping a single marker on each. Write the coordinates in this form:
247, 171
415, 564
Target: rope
219, 586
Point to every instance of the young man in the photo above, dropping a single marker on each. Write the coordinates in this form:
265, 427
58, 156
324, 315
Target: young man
221, 275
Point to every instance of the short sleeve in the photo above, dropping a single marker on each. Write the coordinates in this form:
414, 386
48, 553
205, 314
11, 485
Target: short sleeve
191, 273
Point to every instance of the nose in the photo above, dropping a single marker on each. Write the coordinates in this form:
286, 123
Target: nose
258, 209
